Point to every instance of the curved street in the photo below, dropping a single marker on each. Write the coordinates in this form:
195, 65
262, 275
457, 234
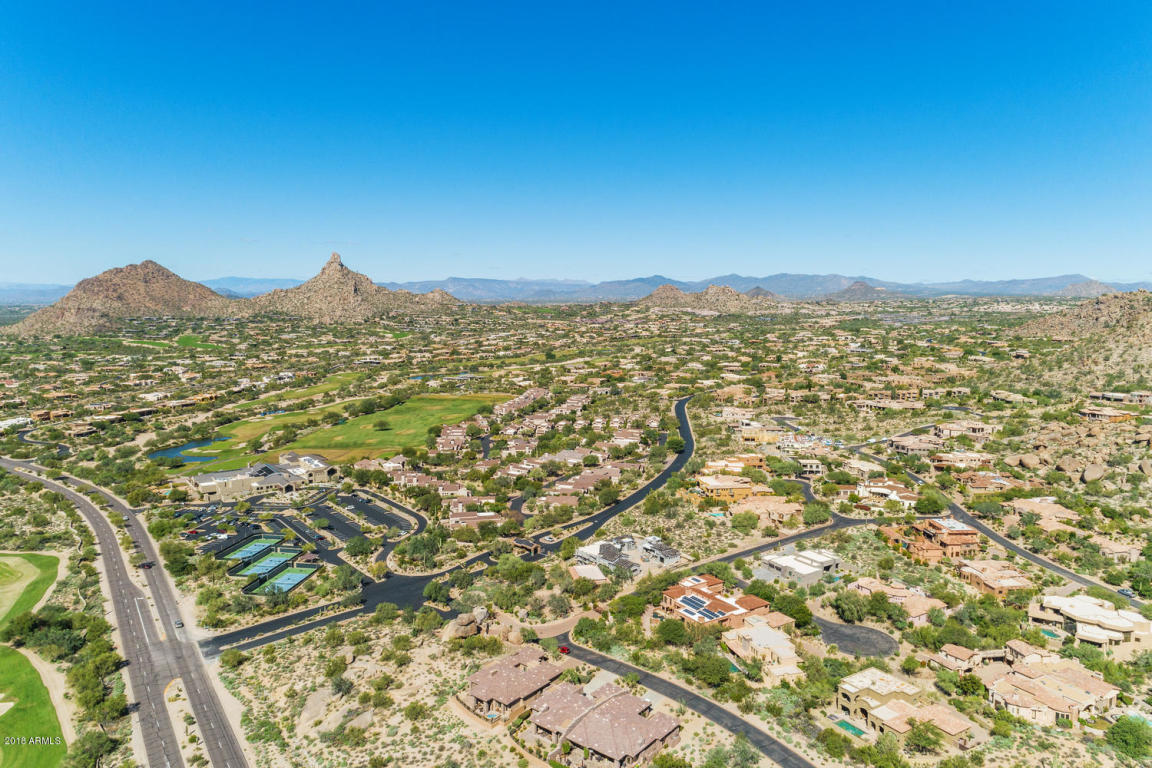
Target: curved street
780, 753
407, 591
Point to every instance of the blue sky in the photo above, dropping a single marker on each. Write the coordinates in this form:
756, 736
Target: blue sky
907, 141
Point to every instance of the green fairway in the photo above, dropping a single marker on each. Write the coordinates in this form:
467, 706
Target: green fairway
195, 341
24, 579
23, 584
330, 383
31, 715
408, 425
354, 439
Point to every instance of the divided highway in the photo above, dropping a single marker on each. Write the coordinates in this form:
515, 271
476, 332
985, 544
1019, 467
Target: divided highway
156, 652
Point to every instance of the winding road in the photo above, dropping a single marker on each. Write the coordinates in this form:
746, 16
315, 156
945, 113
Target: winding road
777, 751
407, 591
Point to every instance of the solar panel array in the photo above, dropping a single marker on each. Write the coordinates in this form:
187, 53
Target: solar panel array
697, 606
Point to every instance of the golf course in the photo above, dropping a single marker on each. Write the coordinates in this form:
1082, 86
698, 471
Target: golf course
350, 439
25, 708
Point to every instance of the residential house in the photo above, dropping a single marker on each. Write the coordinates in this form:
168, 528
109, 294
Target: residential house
1094, 621
993, 577
607, 728
805, 568
700, 599
759, 641
503, 689
886, 704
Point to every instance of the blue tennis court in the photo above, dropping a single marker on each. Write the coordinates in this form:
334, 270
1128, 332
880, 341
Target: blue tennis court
285, 581
252, 549
267, 563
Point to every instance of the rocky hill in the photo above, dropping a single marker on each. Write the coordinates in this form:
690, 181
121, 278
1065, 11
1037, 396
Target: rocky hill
336, 295
719, 299
763, 293
339, 295
137, 290
1124, 316
862, 291
1088, 289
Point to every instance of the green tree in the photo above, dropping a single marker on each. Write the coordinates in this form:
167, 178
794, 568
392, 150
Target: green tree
672, 632
849, 606
923, 736
816, 513
568, 547
1131, 736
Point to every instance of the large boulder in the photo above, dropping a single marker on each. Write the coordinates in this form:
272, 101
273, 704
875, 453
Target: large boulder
1146, 466
456, 629
1068, 464
1093, 472
1013, 460
1030, 461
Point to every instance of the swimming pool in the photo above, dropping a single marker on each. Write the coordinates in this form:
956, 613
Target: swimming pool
1050, 633
847, 726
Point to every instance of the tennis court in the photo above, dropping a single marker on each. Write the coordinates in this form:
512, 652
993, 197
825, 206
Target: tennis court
252, 548
286, 580
267, 563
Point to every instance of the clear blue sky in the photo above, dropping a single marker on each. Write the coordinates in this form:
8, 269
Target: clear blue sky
911, 140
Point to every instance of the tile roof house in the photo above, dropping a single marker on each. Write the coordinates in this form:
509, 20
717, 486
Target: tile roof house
607, 728
700, 599
757, 640
504, 688
887, 704
1046, 689
993, 577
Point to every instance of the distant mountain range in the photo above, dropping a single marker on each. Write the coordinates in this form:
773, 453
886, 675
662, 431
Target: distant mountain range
784, 285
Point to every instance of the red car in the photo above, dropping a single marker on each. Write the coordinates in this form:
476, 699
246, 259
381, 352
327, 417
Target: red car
565, 649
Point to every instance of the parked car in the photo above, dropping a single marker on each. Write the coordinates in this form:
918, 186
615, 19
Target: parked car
1126, 592
179, 623
565, 649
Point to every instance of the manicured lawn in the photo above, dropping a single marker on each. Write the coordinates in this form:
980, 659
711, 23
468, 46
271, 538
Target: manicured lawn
18, 592
195, 341
408, 425
31, 715
22, 584
335, 381
355, 438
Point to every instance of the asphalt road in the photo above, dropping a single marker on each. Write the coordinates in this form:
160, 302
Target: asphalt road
156, 650
856, 640
408, 591
964, 516
781, 754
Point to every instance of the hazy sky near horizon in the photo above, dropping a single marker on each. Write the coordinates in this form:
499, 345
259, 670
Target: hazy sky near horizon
901, 140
